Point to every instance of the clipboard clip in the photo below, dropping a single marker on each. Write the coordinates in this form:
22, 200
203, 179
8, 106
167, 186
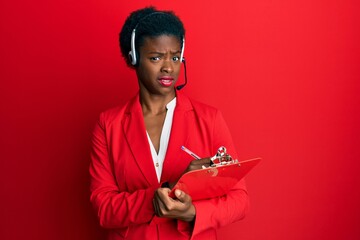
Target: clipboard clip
222, 158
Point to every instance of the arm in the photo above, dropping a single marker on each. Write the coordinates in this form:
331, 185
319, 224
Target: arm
221, 211
218, 212
115, 209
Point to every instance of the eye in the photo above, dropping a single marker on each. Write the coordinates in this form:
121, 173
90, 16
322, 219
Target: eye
176, 58
155, 59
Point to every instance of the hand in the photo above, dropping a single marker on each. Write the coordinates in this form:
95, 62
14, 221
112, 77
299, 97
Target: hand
197, 164
194, 165
180, 208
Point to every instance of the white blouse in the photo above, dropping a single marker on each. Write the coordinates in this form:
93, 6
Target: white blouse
158, 158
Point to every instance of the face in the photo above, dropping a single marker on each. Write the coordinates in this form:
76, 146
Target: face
159, 65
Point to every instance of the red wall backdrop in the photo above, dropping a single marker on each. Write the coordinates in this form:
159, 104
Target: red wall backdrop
285, 74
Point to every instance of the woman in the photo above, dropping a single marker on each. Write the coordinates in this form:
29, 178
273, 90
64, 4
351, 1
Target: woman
137, 146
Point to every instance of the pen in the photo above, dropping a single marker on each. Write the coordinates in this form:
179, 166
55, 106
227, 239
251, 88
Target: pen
190, 152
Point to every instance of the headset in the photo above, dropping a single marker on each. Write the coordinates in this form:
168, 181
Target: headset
133, 56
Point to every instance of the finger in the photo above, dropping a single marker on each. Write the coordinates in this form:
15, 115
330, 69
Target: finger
205, 161
197, 164
201, 161
156, 207
161, 208
163, 194
183, 197
157, 203
164, 201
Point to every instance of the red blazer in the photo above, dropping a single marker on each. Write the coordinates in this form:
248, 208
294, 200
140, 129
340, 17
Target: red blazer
123, 178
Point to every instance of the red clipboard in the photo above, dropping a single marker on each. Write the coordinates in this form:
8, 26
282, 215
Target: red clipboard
213, 181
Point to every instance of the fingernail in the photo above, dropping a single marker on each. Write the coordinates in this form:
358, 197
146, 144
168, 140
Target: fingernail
177, 193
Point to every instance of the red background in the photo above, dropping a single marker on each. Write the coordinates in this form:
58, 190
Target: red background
285, 74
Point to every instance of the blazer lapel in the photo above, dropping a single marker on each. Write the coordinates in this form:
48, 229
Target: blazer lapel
135, 134
183, 122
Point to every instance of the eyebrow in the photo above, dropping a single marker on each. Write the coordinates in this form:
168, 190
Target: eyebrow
162, 53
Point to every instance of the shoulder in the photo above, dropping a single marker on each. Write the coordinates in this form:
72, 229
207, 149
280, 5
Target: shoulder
111, 114
202, 106
203, 110
117, 113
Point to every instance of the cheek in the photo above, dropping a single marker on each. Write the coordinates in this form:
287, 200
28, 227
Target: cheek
177, 70
143, 69
146, 73
149, 68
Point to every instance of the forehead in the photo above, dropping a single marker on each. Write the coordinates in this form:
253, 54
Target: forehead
161, 43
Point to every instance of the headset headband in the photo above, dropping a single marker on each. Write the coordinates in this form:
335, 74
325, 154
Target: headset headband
132, 53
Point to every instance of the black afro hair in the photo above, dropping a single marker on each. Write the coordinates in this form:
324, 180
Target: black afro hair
148, 22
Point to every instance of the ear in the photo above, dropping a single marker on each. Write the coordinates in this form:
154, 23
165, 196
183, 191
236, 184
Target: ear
132, 58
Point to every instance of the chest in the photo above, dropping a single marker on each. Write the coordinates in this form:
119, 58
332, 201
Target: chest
154, 125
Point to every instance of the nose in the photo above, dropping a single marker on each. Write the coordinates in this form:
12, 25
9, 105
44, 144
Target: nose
167, 66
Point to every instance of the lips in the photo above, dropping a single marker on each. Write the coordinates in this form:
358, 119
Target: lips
166, 81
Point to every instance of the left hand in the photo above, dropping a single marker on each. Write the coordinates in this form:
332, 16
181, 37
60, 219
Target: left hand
180, 208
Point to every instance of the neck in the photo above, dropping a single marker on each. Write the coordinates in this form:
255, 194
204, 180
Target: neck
155, 104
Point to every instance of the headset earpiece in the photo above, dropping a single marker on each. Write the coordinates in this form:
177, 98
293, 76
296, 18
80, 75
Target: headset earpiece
182, 51
132, 53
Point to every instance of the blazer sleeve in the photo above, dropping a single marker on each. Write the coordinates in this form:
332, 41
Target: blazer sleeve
115, 209
217, 212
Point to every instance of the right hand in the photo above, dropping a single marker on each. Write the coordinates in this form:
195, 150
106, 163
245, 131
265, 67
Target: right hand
197, 164
194, 165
